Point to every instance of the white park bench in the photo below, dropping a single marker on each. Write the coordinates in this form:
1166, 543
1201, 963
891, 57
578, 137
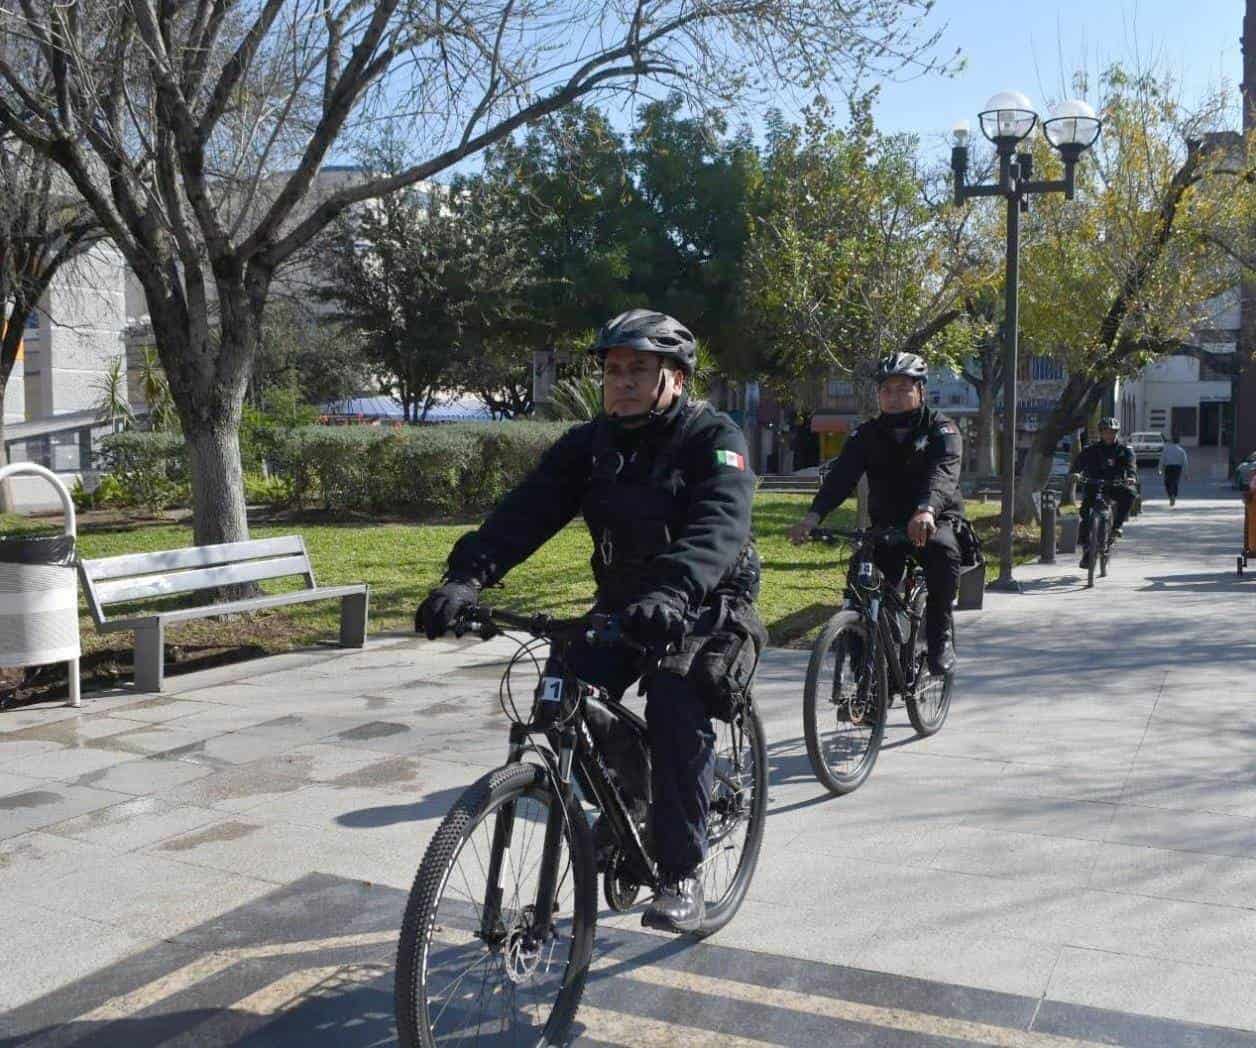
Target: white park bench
136, 578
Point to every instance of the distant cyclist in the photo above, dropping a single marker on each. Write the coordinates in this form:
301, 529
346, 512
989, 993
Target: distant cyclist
1113, 464
911, 456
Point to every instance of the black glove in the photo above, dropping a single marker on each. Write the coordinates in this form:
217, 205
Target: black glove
442, 607
657, 618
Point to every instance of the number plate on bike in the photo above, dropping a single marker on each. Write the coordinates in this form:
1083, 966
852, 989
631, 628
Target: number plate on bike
551, 689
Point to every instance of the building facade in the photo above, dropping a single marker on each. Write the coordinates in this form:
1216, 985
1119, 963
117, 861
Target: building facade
1190, 394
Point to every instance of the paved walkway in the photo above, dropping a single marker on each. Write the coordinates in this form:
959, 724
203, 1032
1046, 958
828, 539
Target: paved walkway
1073, 856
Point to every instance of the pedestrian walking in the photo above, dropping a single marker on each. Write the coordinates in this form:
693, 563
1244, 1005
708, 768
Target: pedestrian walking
1173, 462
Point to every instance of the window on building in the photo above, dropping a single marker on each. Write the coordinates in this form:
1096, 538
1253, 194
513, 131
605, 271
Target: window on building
1185, 421
1039, 369
840, 388
1208, 372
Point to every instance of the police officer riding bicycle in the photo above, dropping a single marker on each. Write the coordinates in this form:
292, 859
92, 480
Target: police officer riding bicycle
911, 456
1113, 466
665, 489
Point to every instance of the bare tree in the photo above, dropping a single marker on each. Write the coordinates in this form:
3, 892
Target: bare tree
197, 130
43, 225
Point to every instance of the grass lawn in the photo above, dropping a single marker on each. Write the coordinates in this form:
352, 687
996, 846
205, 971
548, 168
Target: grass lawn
401, 561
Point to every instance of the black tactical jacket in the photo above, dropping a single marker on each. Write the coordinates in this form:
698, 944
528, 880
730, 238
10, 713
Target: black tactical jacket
921, 471
1113, 463
668, 508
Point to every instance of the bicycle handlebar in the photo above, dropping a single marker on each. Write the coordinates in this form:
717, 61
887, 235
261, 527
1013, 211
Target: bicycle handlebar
596, 629
888, 536
1097, 482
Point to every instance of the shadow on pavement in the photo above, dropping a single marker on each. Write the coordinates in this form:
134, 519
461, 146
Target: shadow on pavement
434, 805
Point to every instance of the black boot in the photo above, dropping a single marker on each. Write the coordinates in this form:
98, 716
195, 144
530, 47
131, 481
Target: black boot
678, 907
941, 646
1085, 561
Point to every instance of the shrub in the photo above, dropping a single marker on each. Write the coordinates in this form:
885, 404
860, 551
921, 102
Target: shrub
149, 469
262, 430
462, 468
267, 491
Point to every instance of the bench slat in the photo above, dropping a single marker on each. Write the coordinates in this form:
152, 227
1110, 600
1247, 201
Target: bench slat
151, 586
237, 607
104, 568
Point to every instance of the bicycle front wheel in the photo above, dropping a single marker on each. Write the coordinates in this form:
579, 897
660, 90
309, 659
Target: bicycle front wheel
475, 965
844, 704
735, 820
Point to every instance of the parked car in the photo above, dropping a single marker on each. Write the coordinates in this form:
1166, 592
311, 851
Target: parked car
1147, 447
1243, 472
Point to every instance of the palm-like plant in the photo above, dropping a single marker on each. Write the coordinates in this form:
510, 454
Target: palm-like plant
112, 406
576, 399
155, 388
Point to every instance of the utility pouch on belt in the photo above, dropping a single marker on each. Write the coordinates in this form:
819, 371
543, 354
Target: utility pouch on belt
720, 660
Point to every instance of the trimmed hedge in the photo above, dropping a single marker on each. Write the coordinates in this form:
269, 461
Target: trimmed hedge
442, 470
445, 470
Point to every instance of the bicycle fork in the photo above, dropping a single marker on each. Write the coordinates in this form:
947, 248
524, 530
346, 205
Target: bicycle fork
492, 929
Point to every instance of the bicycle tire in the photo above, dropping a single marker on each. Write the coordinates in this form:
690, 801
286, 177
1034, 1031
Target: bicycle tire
927, 719
1103, 549
1093, 549
853, 624
512, 782
720, 911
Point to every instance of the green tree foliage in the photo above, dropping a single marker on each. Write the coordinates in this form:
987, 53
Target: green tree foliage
304, 357
422, 278
852, 251
1121, 275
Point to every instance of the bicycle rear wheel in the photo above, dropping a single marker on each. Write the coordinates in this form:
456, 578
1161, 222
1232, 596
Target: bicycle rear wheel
930, 698
844, 704
464, 979
735, 821
1093, 548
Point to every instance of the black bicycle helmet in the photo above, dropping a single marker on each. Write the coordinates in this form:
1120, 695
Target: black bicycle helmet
649, 332
908, 364
1110, 423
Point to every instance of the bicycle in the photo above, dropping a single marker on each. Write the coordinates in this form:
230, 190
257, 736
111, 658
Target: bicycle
870, 651
1099, 531
512, 933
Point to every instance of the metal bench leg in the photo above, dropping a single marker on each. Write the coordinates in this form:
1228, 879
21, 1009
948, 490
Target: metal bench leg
72, 669
353, 612
150, 657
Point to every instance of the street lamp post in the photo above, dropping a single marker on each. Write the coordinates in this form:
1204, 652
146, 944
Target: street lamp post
1007, 121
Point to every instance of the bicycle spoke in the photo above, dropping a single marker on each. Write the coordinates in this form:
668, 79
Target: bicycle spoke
495, 985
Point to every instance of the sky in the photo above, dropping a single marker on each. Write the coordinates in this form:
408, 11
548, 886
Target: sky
1033, 47
1028, 46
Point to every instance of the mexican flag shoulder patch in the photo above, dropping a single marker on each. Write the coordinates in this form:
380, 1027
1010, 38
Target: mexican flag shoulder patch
730, 458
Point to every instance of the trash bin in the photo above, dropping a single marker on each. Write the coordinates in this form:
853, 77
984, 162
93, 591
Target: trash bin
39, 592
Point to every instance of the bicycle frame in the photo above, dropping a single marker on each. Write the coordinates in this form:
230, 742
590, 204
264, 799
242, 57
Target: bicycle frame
1101, 504
571, 756
873, 602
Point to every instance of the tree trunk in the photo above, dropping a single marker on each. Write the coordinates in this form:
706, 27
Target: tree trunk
986, 433
218, 513
1033, 476
6, 487
208, 383
1081, 394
